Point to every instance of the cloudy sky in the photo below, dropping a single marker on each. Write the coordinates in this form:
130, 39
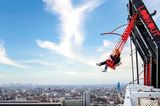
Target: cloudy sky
59, 42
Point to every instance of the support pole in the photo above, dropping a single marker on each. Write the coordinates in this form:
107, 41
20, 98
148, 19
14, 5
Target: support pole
137, 66
132, 61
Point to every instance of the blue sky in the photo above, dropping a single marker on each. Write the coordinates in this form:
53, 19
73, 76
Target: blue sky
58, 42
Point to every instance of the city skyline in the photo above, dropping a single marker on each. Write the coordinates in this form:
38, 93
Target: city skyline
59, 42
66, 95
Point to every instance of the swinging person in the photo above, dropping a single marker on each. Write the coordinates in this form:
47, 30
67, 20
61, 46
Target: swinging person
115, 58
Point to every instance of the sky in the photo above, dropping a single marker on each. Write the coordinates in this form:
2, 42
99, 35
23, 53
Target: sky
59, 42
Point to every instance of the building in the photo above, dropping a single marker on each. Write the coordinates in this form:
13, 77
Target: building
73, 102
86, 99
31, 104
118, 88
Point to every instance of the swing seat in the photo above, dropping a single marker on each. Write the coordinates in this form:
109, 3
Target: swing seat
110, 64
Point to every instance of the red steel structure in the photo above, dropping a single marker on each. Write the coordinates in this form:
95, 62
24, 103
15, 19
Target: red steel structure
122, 41
146, 38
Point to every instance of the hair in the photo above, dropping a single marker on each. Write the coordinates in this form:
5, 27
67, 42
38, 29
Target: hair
117, 52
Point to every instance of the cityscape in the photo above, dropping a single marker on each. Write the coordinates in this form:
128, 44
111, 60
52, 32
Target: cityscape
73, 95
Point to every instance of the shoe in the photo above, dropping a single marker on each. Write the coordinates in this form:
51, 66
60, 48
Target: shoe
104, 70
98, 64
106, 67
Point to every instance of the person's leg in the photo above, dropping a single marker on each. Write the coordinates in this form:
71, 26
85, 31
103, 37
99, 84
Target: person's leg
105, 69
101, 63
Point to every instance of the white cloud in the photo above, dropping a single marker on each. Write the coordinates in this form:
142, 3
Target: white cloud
4, 59
72, 20
2, 76
107, 45
71, 73
71, 54
37, 62
68, 52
